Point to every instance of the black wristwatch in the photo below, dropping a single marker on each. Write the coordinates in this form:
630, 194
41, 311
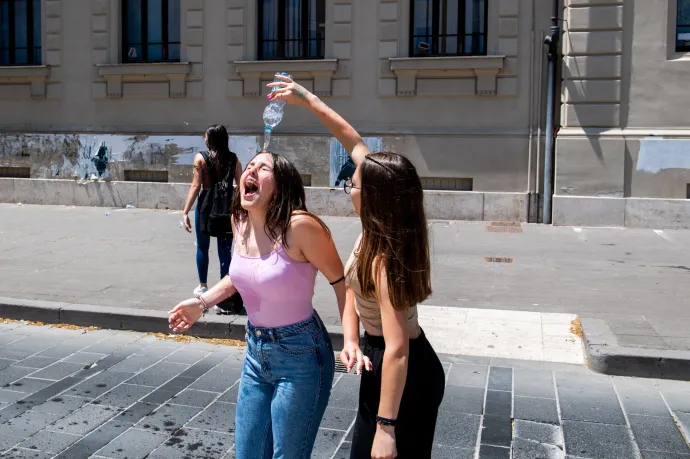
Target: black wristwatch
385, 421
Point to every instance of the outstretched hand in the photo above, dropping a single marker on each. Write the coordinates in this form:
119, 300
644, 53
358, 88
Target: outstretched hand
185, 314
289, 91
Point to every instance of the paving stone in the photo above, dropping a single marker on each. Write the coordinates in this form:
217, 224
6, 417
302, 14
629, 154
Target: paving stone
34, 362
160, 351
187, 356
21, 453
99, 384
12, 374
85, 358
659, 434
599, 407
662, 455
346, 393
217, 416
124, 395
27, 424
108, 346
536, 409
4, 363
9, 338
344, 451
231, 395
193, 397
444, 452
62, 351
168, 418
534, 383
194, 444
601, 441
457, 430
58, 371
10, 395
133, 444
61, 405
678, 400
135, 413
525, 449
84, 420
497, 431
493, 452
641, 398
50, 442
538, 432
468, 375
684, 423
94, 441
29, 385
463, 399
327, 443
583, 382
500, 379
158, 374
219, 379
8, 441
338, 419
498, 403
135, 363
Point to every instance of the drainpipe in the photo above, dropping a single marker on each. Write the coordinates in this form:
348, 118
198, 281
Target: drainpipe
552, 42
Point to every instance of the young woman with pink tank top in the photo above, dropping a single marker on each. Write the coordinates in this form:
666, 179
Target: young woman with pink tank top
289, 366
388, 274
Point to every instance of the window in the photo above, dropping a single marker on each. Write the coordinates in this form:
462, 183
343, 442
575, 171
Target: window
150, 30
448, 27
683, 26
291, 29
20, 32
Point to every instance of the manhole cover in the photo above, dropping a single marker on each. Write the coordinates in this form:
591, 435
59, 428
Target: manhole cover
499, 260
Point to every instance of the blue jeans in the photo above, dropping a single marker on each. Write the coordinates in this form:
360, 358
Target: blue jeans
284, 389
203, 242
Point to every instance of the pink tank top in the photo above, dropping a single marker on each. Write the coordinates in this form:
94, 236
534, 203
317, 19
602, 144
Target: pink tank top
276, 289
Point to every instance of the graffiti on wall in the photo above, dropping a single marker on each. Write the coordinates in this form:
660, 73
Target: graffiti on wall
342, 166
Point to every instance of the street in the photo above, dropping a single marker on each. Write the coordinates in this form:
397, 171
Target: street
114, 394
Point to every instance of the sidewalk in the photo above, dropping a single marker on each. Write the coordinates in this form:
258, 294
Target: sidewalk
629, 287
72, 394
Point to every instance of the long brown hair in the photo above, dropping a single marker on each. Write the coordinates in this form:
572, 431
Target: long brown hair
288, 198
394, 230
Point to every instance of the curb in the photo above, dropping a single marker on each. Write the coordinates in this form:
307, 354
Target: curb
604, 355
139, 320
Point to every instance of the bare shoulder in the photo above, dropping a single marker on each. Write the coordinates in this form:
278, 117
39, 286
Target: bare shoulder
306, 225
199, 160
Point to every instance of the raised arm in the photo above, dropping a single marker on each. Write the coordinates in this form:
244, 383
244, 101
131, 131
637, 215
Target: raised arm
293, 93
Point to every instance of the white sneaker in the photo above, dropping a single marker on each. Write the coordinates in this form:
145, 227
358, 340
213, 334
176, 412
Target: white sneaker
200, 290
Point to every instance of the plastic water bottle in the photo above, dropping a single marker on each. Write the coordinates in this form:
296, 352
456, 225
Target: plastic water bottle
273, 114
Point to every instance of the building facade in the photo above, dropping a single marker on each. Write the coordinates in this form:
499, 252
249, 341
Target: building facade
123, 90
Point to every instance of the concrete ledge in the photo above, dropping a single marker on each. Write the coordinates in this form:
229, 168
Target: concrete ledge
657, 213
629, 212
141, 320
604, 355
588, 211
441, 205
40, 311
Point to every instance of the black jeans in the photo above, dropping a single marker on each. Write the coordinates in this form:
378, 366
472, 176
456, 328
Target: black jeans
424, 387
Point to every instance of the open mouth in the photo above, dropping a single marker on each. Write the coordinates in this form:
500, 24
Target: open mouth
250, 187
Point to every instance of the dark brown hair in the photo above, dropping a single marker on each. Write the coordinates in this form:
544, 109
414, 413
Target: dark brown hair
217, 142
394, 230
288, 198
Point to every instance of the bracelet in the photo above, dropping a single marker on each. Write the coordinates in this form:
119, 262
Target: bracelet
385, 421
338, 281
205, 308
